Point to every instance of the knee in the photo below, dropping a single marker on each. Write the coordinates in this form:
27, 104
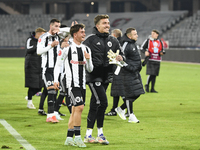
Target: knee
79, 108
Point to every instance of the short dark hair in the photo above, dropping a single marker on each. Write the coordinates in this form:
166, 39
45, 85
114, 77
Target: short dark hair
54, 20
99, 17
75, 28
128, 30
156, 31
63, 26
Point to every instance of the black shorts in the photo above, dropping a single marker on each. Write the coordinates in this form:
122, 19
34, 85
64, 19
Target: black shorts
77, 96
48, 78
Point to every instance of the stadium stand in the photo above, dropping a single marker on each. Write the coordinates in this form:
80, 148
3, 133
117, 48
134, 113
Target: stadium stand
144, 22
186, 33
15, 29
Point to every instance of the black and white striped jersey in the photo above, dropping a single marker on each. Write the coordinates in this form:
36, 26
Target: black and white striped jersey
48, 53
75, 65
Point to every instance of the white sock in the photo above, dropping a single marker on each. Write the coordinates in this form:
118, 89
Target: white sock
50, 115
77, 135
100, 131
89, 132
69, 138
30, 102
55, 112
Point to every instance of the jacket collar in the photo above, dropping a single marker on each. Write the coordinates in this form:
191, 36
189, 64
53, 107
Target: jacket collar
126, 39
103, 35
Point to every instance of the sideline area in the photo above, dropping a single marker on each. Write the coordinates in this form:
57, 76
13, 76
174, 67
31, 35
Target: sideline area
16, 135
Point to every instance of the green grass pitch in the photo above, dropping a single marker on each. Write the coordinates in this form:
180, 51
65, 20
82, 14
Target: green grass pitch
169, 120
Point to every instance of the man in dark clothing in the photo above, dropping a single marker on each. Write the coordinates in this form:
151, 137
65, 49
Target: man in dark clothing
117, 84
100, 42
131, 74
33, 74
153, 49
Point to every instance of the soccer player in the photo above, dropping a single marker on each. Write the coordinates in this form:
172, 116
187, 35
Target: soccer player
77, 58
47, 47
100, 42
62, 80
33, 74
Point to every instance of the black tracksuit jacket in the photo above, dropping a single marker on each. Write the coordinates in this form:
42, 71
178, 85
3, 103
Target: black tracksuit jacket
100, 44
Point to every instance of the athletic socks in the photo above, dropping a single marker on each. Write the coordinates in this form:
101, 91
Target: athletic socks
88, 132
100, 131
77, 131
70, 133
30, 101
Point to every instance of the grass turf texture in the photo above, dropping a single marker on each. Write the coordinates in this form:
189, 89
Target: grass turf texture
169, 120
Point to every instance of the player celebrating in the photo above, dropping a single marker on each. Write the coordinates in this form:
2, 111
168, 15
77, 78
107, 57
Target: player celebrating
47, 47
77, 57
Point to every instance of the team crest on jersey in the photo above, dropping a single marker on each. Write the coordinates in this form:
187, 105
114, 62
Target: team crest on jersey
97, 83
49, 83
109, 44
78, 99
59, 53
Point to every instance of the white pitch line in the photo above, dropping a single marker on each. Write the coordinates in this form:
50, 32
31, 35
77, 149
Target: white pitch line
16, 135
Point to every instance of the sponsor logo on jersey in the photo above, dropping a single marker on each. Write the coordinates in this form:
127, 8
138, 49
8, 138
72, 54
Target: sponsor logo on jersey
109, 44
78, 62
39, 40
59, 53
74, 52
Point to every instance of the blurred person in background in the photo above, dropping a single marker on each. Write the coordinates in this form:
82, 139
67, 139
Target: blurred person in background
117, 88
33, 74
153, 49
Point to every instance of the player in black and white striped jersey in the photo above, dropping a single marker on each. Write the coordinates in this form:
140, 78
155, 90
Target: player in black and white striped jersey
47, 47
77, 58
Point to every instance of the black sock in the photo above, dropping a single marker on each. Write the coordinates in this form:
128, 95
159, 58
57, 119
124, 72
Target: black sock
51, 96
59, 102
42, 98
77, 130
70, 133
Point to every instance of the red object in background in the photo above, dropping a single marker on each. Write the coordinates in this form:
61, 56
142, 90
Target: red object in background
165, 45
